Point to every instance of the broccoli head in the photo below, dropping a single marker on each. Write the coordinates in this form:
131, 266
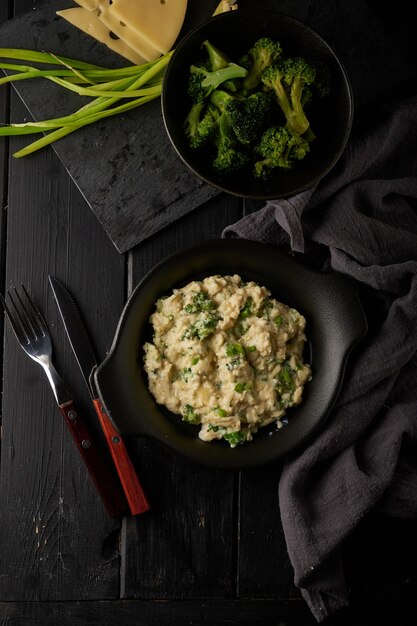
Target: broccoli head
200, 124
251, 114
247, 115
280, 147
220, 97
291, 82
203, 81
229, 158
263, 53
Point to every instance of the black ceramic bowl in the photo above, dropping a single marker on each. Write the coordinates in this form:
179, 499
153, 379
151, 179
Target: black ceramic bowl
335, 322
235, 32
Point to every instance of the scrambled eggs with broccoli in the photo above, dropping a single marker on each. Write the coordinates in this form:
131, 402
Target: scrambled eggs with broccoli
226, 356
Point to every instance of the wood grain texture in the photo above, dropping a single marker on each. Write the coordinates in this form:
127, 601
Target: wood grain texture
159, 613
47, 496
128, 478
211, 551
269, 612
5, 14
185, 548
264, 569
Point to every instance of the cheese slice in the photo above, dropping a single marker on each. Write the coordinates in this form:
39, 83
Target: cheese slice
157, 21
102, 9
89, 23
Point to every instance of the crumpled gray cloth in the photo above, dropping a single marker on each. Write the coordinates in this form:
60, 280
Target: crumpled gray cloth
361, 220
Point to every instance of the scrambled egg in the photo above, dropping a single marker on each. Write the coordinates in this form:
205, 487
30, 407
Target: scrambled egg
226, 356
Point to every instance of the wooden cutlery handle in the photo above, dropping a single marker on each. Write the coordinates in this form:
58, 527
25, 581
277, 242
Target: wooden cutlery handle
101, 473
138, 502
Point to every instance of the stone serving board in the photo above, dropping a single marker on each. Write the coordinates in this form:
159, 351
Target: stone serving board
124, 166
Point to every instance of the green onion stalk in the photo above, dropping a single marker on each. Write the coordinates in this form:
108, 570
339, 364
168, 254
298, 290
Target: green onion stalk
111, 91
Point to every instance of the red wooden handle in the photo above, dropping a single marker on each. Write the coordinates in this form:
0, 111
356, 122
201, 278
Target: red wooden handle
103, 478
138, 502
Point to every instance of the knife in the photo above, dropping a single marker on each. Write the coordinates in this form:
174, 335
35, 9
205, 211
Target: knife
84, 353
32, 333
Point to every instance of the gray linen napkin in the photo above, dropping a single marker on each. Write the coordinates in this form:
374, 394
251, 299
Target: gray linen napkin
361, 221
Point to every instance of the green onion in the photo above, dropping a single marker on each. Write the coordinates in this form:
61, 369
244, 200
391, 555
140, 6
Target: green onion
44, 57
241, 387
234, 349
139, 84
247, 309
66, 130
189, 415
235, 438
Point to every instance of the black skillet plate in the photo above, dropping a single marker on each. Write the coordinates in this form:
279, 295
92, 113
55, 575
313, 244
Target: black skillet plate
335, 323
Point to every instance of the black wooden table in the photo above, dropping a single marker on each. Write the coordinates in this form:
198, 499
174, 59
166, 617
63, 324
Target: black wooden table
212, 550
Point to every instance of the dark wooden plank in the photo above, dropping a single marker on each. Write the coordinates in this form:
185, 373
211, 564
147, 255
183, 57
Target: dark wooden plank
159, 613
198, 613
47, 496
264, 567
5, 14
207, 222
186, 547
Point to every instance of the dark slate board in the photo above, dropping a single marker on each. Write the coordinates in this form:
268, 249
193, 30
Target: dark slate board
125, 167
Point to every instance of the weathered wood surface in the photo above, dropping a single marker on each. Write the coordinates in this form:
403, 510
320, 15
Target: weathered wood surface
212, 549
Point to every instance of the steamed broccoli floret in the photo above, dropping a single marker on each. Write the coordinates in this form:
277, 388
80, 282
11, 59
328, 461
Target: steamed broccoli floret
203, 81
218, 59
280, 147
220, 98
251, 115
248, 116
229, 158
263, 53
289, 81
200, 124
193, 120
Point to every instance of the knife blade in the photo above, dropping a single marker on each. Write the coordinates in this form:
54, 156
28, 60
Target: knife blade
86, 359
31, 329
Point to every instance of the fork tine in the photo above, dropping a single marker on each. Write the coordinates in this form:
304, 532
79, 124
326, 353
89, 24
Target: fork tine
15, 320
22, 314
32, 314
24, 317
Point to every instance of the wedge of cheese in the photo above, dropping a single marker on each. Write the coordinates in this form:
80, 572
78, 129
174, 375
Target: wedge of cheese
89, 23
102, 9
158, 22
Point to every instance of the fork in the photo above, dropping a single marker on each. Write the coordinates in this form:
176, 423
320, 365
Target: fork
33, 335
